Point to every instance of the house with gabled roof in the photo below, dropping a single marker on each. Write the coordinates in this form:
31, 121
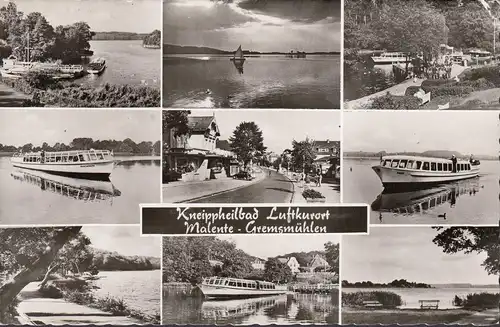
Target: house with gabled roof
292, 263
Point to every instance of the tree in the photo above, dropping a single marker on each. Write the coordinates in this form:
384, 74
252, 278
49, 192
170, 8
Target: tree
277, 272
27, 147
178, 120
153, 39
26, 253
472, 239
82, 143
303, 154
247, 142
332, 255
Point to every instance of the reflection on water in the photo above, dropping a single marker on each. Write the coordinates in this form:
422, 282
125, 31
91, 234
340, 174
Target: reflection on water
76, 188
239, 66
420, 201
181, 308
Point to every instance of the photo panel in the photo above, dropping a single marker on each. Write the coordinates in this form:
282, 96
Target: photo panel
421, 275
229, 156
423, 167
78, 166
421, 55
252, 54
79, 53
247, 280
76, 275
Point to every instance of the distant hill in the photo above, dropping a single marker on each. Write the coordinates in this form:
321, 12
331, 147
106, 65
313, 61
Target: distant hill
186, 49
397, 283
465, 285
431, 153
112, 261
115, 36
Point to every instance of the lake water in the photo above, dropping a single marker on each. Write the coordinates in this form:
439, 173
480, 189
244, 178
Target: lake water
262, 82
31, 197
127, 62
411, 296
179, 308
140, 290
473, 201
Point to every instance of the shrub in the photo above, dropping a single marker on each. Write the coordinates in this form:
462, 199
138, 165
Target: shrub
479, 84
390, 101
490, 73
411, 90
452, 90
109, 304
478, 301
387, 299
78, 297
51, 291
436, 82
312, 194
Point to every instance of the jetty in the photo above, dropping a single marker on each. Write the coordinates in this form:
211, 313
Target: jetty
35, 309
313, 288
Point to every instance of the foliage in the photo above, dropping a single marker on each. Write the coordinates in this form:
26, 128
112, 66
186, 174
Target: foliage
122, 36
312, 194
111, 261
395, 102
478, 301
247, 142
303, 154
489, 73
399, 283
187, 259
356, 299
178, 120
277, 272
411, 90
86, 143
332, 255
449, 90
153, 39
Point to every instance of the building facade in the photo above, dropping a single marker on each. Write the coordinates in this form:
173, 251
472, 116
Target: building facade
327, 156
258, 264
292, 263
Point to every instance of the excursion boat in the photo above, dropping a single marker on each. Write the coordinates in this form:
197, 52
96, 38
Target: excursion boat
79, 189
413, 171
89, 164
390, 58
227, 288
96, 66
13, 68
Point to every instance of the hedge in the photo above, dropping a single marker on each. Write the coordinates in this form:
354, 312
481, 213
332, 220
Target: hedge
387, 299
390, 101
490, 73
452, 90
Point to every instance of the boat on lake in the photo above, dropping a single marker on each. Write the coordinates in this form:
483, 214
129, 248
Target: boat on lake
96, 66
413, 171
390, 58
229, 288
88, 164
14, 68
238, 56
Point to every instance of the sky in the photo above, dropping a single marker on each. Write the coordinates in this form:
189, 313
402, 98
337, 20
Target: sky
280, 128
21, 126
264, 246
408, 252
125, 240
283, 26
465, 132
140, 16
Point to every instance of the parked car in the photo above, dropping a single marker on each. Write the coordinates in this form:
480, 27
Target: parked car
243, 175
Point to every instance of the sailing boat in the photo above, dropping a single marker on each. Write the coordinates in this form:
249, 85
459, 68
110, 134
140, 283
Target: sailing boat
238, 56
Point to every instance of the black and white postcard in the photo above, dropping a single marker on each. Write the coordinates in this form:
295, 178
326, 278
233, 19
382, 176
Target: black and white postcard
251, 156
247, 280
251, 54
78, 166
423, 168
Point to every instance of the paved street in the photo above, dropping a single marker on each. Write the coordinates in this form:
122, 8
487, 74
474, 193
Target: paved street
272, 189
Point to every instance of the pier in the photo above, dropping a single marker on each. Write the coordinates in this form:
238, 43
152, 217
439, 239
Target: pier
313, 289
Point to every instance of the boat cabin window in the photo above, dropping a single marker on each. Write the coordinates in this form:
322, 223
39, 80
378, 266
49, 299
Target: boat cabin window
402, 163
80, 156
411, 164
395, 163
232, 283
100, 156
433, 166
238, 284
440, 166
385, 163
425, 166
93, 156
419, 164
468, 167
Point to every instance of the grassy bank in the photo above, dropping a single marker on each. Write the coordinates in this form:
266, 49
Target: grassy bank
46, 92
79, 291
402, 316
356, 299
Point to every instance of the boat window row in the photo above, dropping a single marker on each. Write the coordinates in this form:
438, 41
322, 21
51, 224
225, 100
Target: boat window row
240, 283
424, 165
68, 157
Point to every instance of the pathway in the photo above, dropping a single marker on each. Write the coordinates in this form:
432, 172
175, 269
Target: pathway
398, 89
43, 311
10, 97
485, 317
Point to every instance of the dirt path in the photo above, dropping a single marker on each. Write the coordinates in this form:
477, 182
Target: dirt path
42, 310
10, 97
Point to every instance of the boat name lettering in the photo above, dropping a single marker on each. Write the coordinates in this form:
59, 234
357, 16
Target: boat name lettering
87, 165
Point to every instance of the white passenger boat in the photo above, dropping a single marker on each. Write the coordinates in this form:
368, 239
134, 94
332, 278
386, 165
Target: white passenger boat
412, 171
227, 288
96, 66
390, 58
14, 68
89, 164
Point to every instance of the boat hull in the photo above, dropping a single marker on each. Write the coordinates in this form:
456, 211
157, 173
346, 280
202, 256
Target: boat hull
393, 178
237, 59
96, 71
218, 292
91, 170
387, 61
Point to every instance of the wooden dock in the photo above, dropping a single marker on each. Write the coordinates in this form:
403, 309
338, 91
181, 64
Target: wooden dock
313, 289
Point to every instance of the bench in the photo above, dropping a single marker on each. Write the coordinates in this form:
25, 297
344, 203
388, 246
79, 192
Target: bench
429, 304
372, 304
